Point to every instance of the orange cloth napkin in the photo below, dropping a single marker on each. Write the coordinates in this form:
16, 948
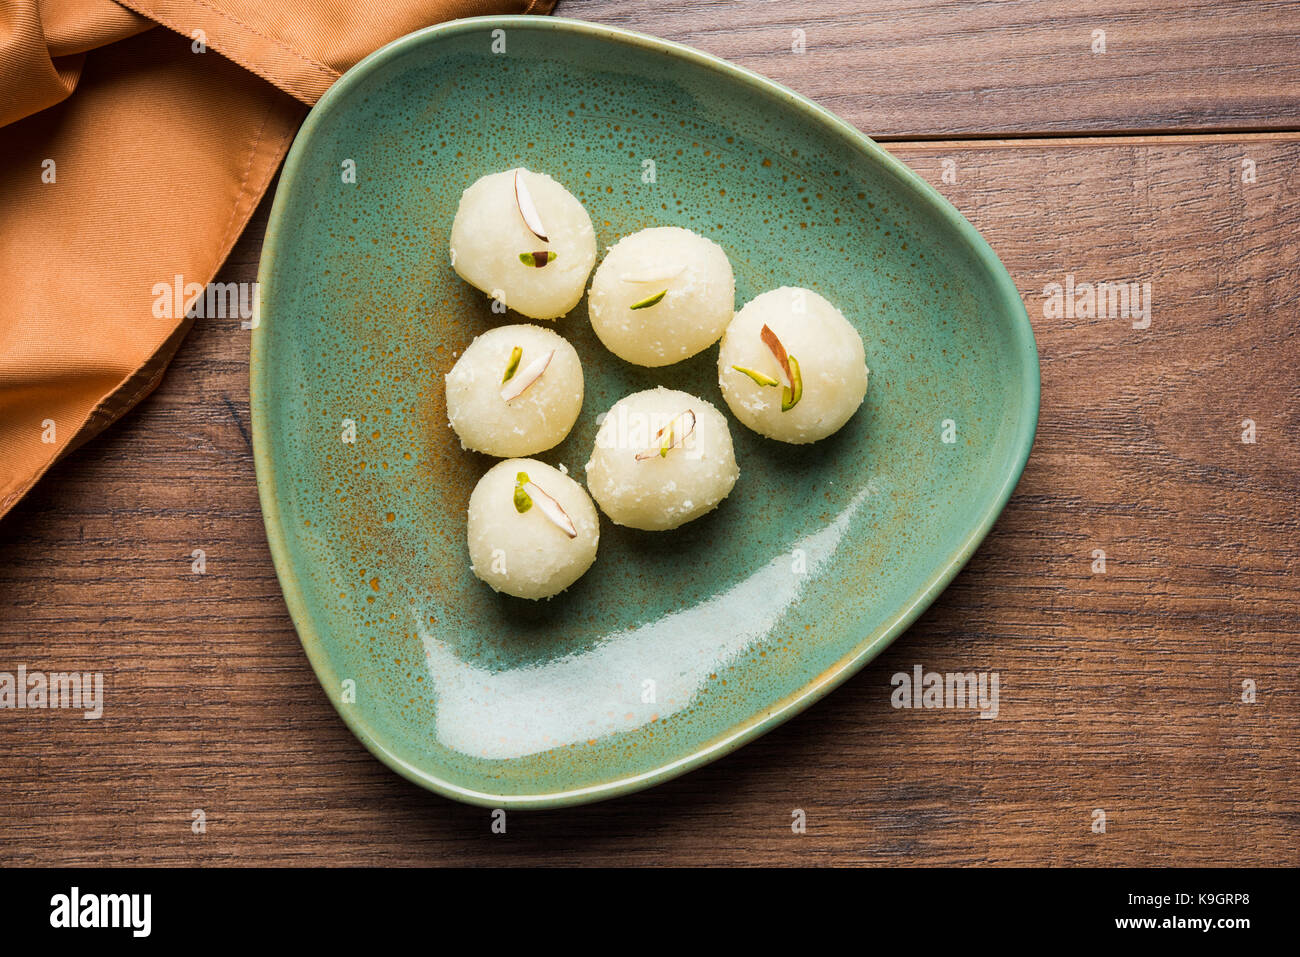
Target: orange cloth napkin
136, 139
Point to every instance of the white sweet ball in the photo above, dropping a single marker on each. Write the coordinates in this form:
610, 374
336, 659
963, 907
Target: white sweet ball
830, 356
700, 296
526, 554
489, 233
536, 419
661, 491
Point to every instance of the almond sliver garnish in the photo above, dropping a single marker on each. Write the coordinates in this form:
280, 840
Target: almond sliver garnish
518, 383
774, 344
672, 437
792, 390
527, 208
654, 274
549, 506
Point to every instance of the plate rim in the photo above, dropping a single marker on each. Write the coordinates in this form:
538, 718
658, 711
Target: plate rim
775, 713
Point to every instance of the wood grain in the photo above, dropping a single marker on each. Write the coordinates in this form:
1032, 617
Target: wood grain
913, 68
1119, 691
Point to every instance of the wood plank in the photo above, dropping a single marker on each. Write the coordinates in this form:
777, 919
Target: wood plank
914, 68
1119, 691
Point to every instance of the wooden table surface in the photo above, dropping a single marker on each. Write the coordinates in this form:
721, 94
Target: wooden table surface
1170, 159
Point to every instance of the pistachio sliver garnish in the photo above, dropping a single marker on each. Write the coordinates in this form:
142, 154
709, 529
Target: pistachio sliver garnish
538, 259
790, 396
523, 501
516, 385
654, 274
527, 208
757, 376
513, 365
649, 301
548, 506
671, 436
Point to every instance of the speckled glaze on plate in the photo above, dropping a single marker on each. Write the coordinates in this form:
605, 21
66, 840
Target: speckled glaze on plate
676, 647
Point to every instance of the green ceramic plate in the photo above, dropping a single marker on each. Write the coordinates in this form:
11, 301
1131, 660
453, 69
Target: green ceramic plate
678, 647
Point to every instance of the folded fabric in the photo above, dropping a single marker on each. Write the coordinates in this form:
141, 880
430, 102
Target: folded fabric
132, 154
